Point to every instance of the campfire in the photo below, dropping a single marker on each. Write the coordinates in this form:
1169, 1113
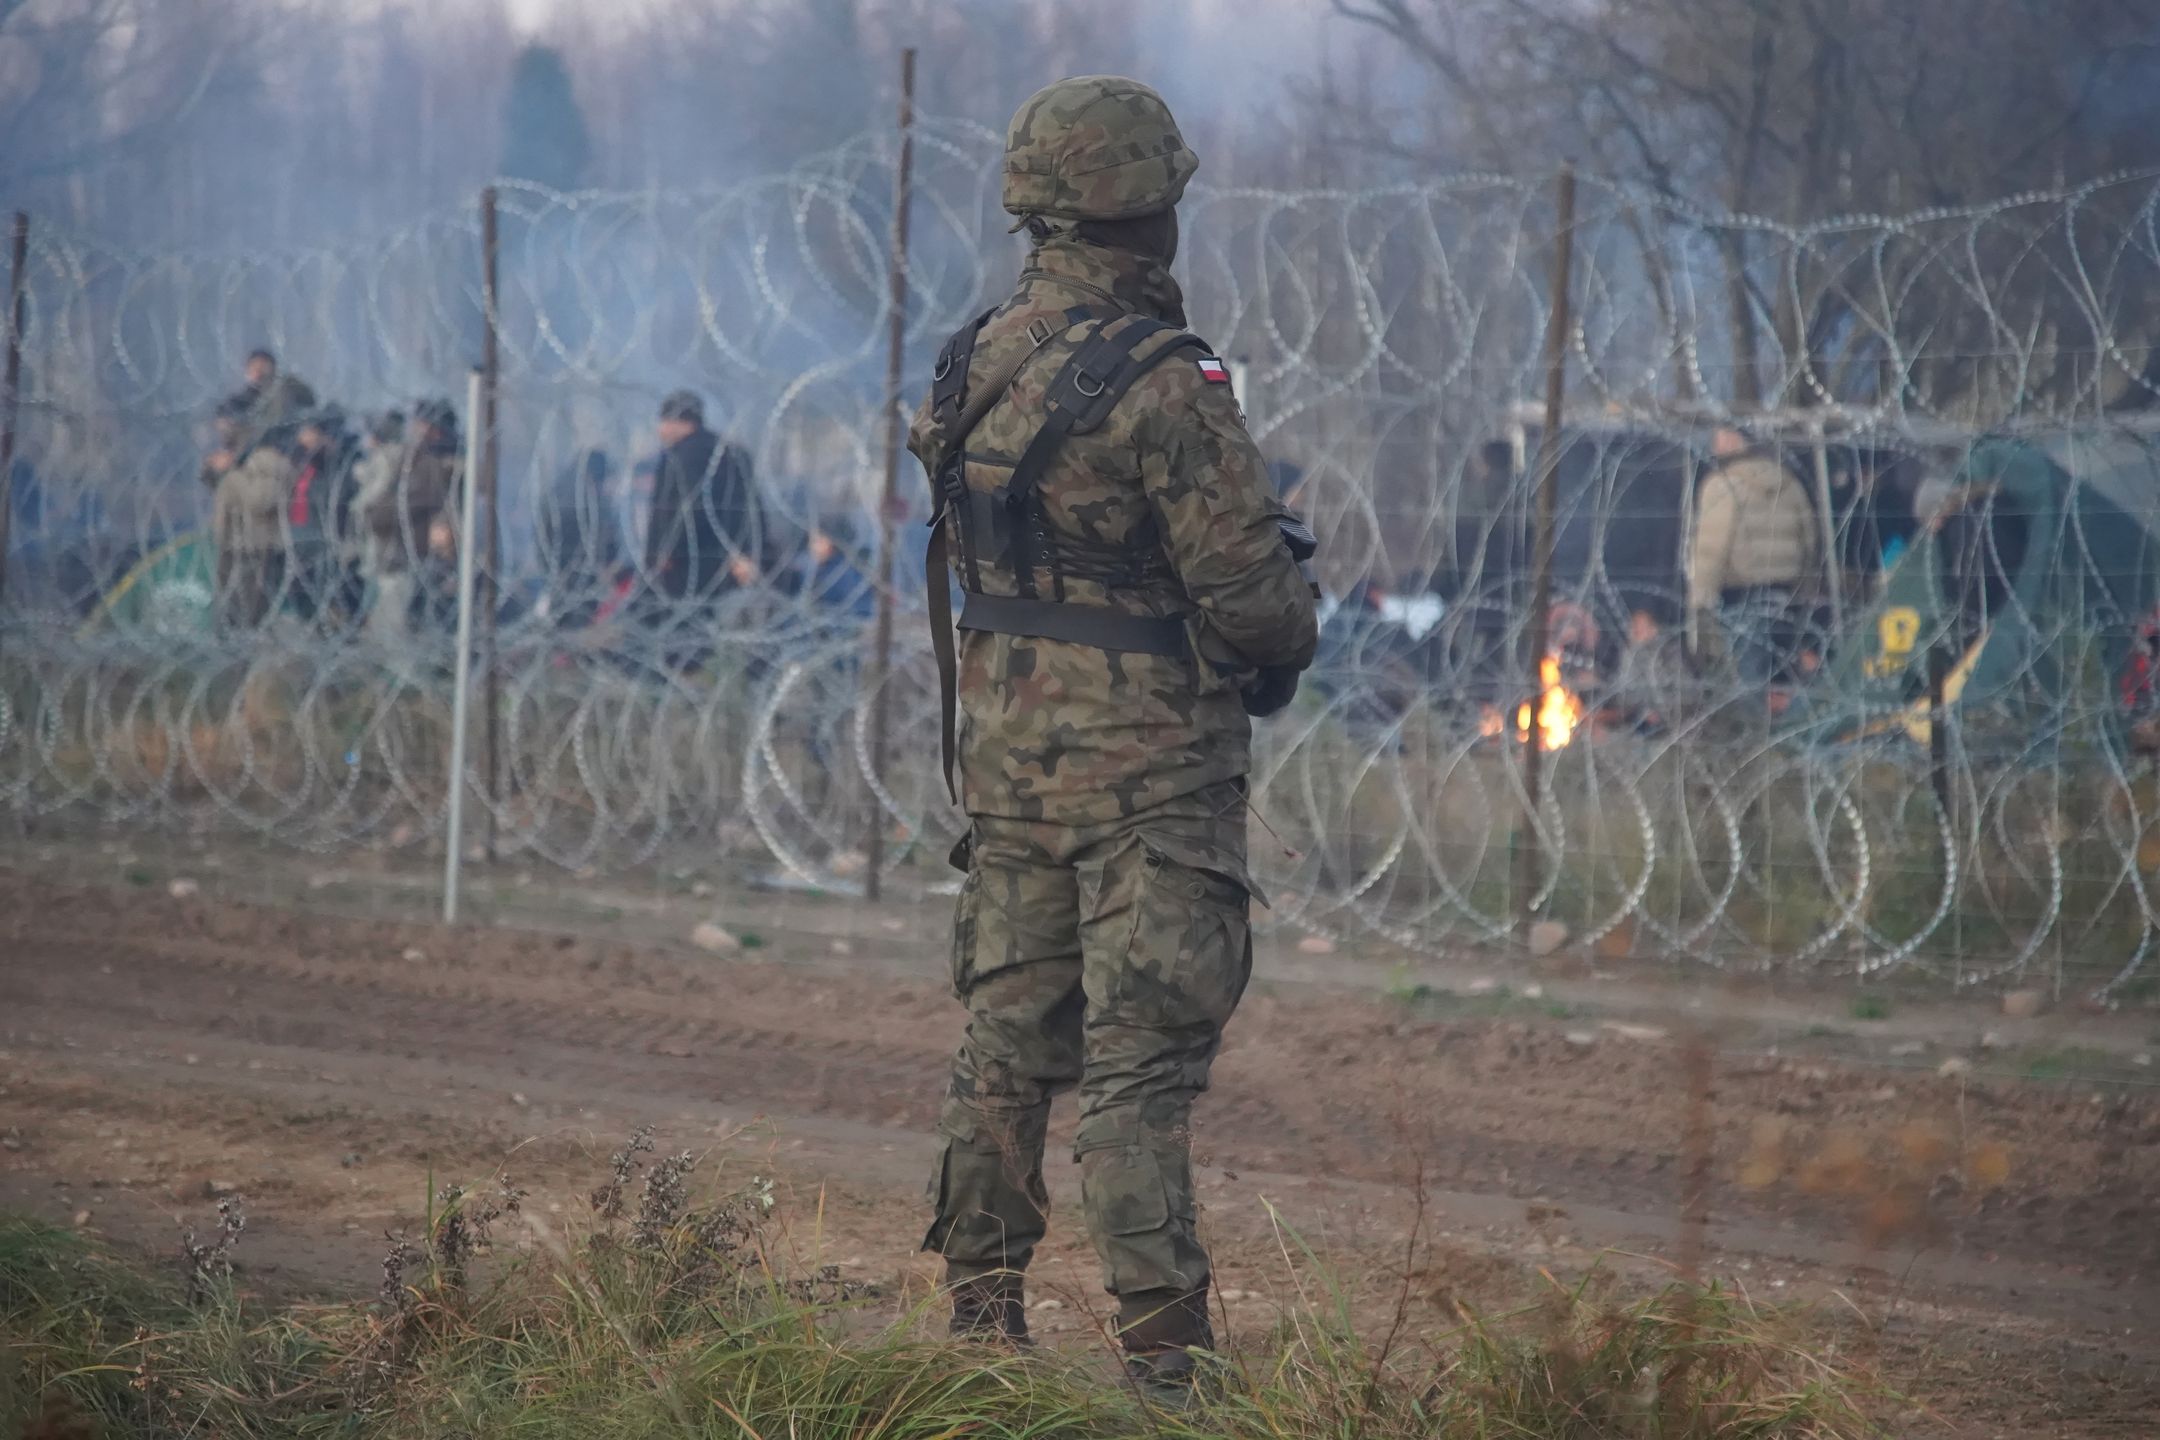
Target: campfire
1558, 712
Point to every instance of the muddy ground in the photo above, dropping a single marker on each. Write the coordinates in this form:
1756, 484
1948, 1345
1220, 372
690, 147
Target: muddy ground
1988, 1238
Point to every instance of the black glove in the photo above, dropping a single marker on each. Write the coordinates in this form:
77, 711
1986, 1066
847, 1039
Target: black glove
1298, 540
1271, 692
1276, 685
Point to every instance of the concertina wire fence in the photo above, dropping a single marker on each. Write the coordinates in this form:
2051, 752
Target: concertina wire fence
1385, 341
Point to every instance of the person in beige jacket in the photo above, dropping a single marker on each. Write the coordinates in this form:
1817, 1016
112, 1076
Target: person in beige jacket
247, 516
1755, 549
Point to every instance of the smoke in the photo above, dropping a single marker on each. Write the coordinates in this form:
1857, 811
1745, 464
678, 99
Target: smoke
236, 124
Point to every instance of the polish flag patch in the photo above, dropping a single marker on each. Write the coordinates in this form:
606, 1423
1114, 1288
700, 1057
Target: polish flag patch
1213, 370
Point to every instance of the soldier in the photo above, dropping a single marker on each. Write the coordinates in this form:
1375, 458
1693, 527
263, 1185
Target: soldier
1128, 579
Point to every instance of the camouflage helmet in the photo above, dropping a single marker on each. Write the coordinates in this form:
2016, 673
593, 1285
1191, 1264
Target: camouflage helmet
1095, 147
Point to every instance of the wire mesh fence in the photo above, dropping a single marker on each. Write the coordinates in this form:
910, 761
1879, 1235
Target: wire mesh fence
1926, 757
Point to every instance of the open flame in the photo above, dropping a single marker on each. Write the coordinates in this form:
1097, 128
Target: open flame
1558, 712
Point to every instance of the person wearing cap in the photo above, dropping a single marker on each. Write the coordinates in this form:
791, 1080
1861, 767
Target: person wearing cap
704, 535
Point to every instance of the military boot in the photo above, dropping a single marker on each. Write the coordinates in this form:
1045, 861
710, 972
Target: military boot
1160, 1330
990, 1309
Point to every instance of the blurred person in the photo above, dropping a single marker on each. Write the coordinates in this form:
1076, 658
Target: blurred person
705, 532
273, 399
435, 578
633, 505
227, 423
2139, 686
382, 453
829, 573
1651, 679
1754, 553
319, 512
581, 545
1133, 593
248, 529
401, 503
1572, 636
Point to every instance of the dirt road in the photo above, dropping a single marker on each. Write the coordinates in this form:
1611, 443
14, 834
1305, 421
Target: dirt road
156, 1051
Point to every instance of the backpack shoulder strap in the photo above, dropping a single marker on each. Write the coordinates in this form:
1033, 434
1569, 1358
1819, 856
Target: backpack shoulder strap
956, 413
1082, 396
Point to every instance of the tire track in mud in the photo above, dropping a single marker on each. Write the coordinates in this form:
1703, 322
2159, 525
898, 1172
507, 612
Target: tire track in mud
701, 1057
1316, 1090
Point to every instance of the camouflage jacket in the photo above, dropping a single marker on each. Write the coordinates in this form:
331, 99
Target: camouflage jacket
1076, 735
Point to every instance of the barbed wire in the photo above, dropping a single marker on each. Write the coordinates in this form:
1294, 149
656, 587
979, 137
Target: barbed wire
1385, 340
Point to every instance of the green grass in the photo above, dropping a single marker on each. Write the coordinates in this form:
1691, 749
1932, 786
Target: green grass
1868, 1005
2070, 1062
1439, 1001
660, 1319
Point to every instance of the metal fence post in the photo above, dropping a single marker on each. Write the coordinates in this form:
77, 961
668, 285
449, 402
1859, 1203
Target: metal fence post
484, 420
11, 384
1528, 845
454, 828
889, 503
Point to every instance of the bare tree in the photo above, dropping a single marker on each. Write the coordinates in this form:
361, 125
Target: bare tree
1795, 110
83, 82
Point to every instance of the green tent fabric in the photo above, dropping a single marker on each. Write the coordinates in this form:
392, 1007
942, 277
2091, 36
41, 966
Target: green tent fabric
170, 591
2069, 526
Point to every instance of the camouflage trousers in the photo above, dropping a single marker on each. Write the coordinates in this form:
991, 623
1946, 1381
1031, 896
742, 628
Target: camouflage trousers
1106, 958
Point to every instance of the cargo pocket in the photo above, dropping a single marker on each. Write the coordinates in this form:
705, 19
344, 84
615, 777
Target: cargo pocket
1142, 1212
1127, 1192
938, 1195
965, 911
1191, 952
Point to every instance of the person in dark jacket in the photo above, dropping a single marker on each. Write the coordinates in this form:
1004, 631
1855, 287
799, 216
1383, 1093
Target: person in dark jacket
319, 511
705, 535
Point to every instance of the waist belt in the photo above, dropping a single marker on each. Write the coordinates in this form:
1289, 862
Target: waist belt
1095, 625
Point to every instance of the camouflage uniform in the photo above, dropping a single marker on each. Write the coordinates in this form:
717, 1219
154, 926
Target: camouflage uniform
1101, 939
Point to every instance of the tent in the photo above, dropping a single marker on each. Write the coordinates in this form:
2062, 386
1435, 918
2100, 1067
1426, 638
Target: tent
2039, 559
170, 591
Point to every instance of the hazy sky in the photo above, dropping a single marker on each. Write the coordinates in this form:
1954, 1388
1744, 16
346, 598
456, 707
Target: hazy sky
1260, 39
